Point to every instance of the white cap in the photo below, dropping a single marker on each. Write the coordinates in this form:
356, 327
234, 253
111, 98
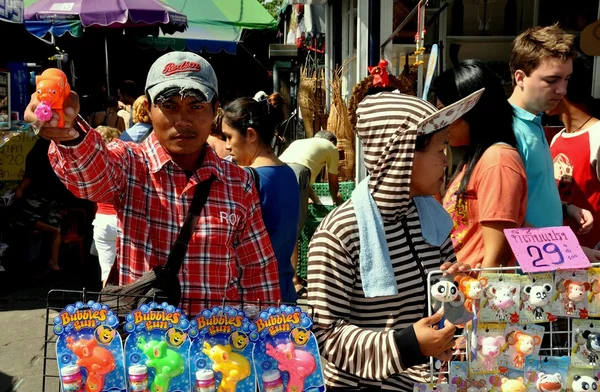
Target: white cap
205, 374
69, 370
271, 375
137, 370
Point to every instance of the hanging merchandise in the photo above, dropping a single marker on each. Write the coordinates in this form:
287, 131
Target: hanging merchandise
501, 300
521, 342
586, 344
221, 352
571, 297
419, 39
546, 374
156, 350
582, 380
489, 342
88, 349
594, 295
472, 289
447, 296
536, 298
287, 344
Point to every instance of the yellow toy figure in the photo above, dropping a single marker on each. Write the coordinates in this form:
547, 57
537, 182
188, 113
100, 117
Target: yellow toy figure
52, 89
232, 366
513, 385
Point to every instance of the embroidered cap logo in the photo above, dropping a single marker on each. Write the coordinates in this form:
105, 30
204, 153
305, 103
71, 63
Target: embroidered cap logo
186, 66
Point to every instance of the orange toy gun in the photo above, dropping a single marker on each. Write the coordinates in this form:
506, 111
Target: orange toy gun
52, 89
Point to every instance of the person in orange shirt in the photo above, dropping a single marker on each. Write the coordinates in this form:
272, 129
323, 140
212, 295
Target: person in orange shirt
488, 192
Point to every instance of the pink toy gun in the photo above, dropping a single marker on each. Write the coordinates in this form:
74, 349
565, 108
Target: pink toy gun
298, 363
52, 89
98, 361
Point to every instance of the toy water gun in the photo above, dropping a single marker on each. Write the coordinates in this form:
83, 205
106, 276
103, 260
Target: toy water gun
52, 89
166, 363
232, 366
98, 361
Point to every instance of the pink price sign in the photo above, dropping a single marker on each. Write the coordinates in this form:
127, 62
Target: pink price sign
546, 249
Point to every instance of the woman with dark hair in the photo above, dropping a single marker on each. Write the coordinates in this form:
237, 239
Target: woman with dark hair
488, 191
249, 129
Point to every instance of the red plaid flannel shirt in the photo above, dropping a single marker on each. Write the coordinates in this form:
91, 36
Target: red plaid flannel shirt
229, 255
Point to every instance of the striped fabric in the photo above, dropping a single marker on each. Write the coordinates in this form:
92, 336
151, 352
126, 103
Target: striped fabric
356, 334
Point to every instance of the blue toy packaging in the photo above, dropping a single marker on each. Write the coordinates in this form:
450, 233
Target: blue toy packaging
221, 352
88, 349
286, 355
157, 348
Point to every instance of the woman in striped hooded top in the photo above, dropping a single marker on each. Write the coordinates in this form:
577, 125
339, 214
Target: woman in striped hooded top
368, 260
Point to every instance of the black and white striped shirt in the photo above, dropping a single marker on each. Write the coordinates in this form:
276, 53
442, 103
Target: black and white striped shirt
370, 342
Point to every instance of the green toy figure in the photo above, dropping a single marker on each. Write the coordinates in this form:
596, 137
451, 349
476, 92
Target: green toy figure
167, 363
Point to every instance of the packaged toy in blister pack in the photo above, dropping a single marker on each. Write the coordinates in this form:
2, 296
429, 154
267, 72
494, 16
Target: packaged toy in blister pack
88, 349
571, 297
594, 295
546, 374
434, 388
512, 384
286, 355
157, 348
472, 289
458, 374
522, 341
489, 342
586, 344
536, 298
582, 380
501, 298
445, 294
221, 353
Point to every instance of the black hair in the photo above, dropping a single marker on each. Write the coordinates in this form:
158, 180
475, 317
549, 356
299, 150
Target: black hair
423, 142
327, 135
491, 119
580, 83
264, 116
128, 87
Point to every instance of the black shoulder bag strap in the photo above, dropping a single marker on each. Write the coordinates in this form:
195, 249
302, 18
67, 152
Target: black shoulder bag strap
254, 174
179, 248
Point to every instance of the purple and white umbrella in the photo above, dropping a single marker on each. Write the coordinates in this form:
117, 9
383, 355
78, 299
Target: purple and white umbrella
145, 17
109, 13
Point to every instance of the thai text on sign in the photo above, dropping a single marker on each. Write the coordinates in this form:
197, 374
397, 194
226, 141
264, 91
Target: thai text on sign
546, 249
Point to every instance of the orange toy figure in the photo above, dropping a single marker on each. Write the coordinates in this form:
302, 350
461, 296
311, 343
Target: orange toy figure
524, 346
98, 361
472, 289
52, 89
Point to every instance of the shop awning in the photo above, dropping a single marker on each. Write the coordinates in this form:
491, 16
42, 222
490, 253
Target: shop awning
57, 28
149, 15
214, 25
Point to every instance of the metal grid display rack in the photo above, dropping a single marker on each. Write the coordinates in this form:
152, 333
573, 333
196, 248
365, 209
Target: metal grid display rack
557, 335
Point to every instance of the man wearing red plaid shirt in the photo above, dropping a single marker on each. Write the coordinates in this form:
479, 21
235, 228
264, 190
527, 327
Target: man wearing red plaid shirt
151, 186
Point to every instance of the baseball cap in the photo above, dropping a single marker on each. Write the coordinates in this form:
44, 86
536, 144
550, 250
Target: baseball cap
181, 71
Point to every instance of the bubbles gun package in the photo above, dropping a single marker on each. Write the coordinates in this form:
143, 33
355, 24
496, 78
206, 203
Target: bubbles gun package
89, 349
286, 355
157, 349
221, 354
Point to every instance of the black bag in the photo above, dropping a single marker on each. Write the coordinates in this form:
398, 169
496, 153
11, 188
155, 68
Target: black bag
161, 283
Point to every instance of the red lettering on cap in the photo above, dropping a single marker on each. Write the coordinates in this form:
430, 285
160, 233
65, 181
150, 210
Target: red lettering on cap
186, 66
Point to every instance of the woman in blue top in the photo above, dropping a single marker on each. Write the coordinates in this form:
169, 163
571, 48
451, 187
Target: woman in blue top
249, 128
